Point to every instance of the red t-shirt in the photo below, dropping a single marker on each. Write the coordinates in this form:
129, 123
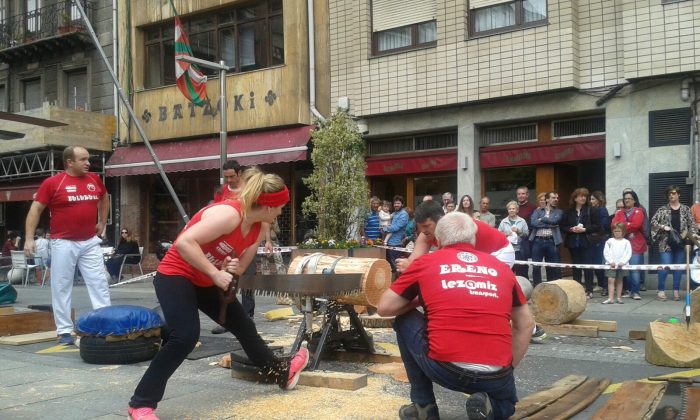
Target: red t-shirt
489, 239
226, 193
468, 296
73, 204
216, 250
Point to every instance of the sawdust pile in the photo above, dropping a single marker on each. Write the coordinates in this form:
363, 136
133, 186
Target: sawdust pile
371, 402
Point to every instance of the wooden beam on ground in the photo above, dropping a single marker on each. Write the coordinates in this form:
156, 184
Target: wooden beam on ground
277, 314
26, 321
377, 321
634, 400
571, 329
692, 410
360, 357
6, 310
609, 326
637, 335
539, 400
573, 402
335, 380
23, 339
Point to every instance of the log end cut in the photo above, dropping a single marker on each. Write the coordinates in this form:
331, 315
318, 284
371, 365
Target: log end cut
673, 345
558, 302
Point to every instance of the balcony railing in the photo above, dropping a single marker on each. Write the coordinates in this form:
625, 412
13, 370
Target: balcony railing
49, 21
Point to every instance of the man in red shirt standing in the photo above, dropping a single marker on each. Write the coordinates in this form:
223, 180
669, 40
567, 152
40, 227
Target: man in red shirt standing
77, 200
464, 341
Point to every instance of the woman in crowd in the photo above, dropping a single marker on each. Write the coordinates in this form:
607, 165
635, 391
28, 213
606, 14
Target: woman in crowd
466, 205
597, 239
11, 244
632, 216
541, 200
672, 216
127, 246
218, 242
576, 223
516, 230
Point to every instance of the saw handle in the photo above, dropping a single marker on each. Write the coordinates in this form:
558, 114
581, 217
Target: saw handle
226, 297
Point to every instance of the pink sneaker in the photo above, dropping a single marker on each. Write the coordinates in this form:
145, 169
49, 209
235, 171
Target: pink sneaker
142, 413
296, 366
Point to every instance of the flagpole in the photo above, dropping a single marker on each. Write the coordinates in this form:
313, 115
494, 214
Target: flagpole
132, 114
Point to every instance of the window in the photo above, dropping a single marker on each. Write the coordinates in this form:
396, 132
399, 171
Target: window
396, 27
76, 90
246, 38
31, 94
669, 127
505, 15
3, 98
33, 15
494, 136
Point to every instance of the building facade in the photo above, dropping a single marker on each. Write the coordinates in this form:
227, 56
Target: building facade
50, 70
268, 91
479, 97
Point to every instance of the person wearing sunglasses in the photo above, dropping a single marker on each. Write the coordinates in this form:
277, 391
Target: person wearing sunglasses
127, 245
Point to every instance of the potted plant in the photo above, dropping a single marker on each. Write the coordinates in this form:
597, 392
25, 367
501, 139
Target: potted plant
339, 191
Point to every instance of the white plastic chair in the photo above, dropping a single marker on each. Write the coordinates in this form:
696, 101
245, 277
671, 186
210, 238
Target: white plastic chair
43, 266
19, 262
132, 265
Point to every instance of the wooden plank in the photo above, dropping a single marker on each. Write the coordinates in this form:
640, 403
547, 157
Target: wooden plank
692, 410
28, 322
637, 335
539, 400
575, 401
6, 310
377, 321
359, 357
570, 329
609, 326
335, 380
634, 400
22, 339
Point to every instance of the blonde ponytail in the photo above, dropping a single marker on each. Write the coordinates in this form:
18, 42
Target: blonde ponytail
256, 183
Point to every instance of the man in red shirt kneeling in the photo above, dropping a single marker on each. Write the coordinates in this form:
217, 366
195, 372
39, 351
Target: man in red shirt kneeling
474, 329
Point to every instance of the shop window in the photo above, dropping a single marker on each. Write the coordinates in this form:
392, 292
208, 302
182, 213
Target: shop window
500, 186
246, 38
669, 127
494, 136
488, 17
398, 28
578, 127
31, 93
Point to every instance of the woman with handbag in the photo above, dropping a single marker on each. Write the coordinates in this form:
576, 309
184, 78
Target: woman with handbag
670, 223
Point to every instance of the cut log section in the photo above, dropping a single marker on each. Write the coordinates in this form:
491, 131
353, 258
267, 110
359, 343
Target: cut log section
673, 345
558, 301
376, 276
695, 305
634, 400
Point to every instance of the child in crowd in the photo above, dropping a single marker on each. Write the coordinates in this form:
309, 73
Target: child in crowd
385, 219
617, 253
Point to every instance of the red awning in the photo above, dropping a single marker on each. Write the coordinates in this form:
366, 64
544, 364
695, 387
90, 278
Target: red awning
18, 192
501, 157
412, 164
286, 145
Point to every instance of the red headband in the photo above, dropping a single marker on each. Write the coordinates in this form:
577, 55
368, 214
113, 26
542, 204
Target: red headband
274, 199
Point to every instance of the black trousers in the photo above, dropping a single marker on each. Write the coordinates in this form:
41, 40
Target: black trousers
181, 301
582, 255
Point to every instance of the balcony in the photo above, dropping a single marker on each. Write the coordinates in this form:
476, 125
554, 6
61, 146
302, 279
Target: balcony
53, 29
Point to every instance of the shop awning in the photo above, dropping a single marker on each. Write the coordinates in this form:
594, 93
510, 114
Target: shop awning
286, 145
502, 157
18, 192
414, 163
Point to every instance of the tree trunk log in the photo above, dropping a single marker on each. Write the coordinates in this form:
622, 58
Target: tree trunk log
376, 276
673, 345
558, 302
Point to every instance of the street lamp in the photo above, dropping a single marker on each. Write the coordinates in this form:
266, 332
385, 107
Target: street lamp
223, 68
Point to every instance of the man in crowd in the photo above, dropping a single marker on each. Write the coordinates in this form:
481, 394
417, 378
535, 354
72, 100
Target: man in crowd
397, 228
545, 237
427, 198
76, 199
526, 208
484, 214
232, 182
370, 230
446, 198
468, 296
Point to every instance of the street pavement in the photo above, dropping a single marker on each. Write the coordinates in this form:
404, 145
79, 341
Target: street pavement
59, 385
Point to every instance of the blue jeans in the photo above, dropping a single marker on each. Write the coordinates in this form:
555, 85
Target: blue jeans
634, 277
412, 338
544, 249
675, 256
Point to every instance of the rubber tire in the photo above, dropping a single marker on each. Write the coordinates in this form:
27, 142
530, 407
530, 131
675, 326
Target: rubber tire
98, 351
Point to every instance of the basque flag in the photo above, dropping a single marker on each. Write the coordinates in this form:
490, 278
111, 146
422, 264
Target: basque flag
191, 82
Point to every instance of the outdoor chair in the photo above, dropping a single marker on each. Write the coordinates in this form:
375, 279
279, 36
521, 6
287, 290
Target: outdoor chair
19, 262
132, 265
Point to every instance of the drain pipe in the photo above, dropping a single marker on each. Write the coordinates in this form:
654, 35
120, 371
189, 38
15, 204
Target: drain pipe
115, 59
312, 62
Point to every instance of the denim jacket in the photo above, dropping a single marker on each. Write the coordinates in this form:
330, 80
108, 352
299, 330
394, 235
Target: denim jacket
539, 220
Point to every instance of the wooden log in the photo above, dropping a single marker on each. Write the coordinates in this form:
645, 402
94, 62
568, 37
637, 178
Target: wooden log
376, 321
335, 380
673, 345
558, 301
637, 335
633, 400
609, 326
693, 403
376, 276
695, 305
571, 329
